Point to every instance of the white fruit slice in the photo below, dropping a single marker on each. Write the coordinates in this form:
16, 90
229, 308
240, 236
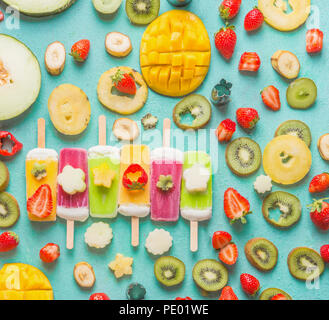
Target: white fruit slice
286, 64
118, 44
323, 146
99, 235
20, 77
55, 57
84, 275
107, 6
277, 16
125, 129
158, 242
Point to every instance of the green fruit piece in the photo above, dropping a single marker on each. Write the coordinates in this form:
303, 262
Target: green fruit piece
243, 156
169, 271
142, 12
210, 275
295, 128
107, 6
261, 253
4, 176
9, 210
269, 293
198, 106
136, 291
149, 121
39, 170
305, 263
302, 93
289, 206
165, 183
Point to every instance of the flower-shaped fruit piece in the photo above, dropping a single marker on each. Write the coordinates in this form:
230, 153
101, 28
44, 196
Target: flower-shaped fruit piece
72, 180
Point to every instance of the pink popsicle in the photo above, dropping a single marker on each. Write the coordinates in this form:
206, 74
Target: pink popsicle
73, 207
165, 204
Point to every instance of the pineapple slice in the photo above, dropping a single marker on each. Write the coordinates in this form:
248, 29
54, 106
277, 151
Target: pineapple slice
287, 159
276, 15
69, 109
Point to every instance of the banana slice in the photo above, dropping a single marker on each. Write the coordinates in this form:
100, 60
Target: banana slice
323, 146
118, 44
55, 58
286, 64
84, 275
125, 129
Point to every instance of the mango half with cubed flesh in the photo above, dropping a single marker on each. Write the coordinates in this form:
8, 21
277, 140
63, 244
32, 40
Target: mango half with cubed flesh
19, 281
175, 53
279, 16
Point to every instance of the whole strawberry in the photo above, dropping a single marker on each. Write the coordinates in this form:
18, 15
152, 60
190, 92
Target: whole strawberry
99, 296
9, 240
320, 214
253, 20
124, 82
229, 9
279, 296
319, 183
80, 50
228, 294
225, 41
249, 283
49, 253
324, 251
247, 117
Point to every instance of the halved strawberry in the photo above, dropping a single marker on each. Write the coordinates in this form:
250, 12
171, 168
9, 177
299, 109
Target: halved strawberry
229, 254
279, 296
236, 207
271, 98
41, 203
249, 61
314, 40
220, 239
228, 294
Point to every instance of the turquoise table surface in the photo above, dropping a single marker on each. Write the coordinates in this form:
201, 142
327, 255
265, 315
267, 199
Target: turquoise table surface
82, 21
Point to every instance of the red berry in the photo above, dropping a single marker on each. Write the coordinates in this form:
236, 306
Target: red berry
229, 254
319, 183
99, 296
249, 283
186, 298
314, 40
49, 253
253, 20
229, 9
225, 41
324, 251
124, 82
220, 239
225, 130
40, 204
1, 16
228, 294
236, 207
271, 98
279, 296
9, 240
247, 117
80, 50
249, 61
320, 214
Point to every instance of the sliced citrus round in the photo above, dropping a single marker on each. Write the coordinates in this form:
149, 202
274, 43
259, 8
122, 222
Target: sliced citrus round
287, 159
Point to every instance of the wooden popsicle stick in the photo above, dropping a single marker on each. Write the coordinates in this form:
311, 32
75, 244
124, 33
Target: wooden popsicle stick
194, 236
102, 130
41, 133
135, 231
69, 234
166, 133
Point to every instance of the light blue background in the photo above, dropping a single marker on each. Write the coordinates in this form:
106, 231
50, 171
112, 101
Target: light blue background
81, 21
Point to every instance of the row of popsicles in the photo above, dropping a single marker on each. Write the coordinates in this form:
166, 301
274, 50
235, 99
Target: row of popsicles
133, 181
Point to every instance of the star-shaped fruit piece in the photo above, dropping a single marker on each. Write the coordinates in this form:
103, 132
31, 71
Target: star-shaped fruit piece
103, 175
121, 265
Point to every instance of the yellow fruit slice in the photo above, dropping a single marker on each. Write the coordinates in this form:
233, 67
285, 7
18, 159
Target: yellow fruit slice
287, 159
69, 109
175, 53
20, 281
117, 102
277, 16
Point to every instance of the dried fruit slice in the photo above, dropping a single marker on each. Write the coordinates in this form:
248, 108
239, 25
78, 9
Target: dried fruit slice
323, 146
125, 129
55, 58
118, 44
286, 64
114, 100
84, 275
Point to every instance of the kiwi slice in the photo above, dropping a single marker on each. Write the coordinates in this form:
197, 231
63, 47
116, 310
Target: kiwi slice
289, 206
305, 263
302, 93
4, 176
210, 275
142, 12
261, 253
295, 128
269, 293
243, 156
9, 210
199, 108
169, 271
